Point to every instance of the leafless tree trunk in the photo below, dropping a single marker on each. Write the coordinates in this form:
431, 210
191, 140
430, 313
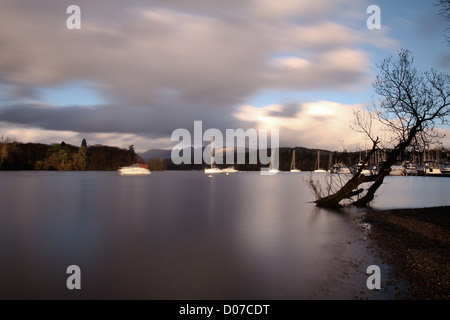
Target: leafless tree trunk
412, 103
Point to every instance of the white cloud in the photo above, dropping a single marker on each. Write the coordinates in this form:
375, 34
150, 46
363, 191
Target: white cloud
163, 64
292, 62
320, 124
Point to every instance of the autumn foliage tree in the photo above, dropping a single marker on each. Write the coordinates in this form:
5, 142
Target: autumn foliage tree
8, 147
157, 164
60, 157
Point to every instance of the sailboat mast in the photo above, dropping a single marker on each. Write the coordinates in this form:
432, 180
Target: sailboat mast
293, 161
213, 160
318, 159
330, 161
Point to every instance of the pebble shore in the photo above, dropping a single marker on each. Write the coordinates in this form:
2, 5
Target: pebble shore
416, 243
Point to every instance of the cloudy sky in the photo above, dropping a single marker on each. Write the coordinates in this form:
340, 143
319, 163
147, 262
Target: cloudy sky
138, 70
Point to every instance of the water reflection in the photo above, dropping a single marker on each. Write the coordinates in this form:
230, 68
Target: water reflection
177, 235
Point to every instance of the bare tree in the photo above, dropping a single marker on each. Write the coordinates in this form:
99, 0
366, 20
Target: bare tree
411, 104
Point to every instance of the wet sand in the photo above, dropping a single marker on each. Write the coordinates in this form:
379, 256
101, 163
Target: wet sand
416, 243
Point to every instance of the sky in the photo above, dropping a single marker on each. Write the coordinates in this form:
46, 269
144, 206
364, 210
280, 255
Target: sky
138, 70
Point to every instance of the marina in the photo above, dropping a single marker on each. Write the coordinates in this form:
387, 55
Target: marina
225, 150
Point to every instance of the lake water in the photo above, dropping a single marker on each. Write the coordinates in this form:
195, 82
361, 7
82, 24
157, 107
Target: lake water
183, 235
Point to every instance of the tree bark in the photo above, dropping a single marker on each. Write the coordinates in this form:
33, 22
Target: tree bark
347, 191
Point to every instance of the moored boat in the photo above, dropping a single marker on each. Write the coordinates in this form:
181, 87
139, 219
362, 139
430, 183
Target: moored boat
397, 170
445, 168
319, 170
340, 168
135, 170
432, 168
229, 170
411, 169
293, 168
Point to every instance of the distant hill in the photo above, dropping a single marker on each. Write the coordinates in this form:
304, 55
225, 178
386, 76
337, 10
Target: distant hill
305, 158
155, 153
166, 154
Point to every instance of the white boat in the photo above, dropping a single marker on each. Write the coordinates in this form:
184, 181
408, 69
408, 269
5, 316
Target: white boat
272, 169
432, 168
318, 163
293, 169
229, 170
411, 169
365, 171
397, 170
213, 169
134, 171
341, 168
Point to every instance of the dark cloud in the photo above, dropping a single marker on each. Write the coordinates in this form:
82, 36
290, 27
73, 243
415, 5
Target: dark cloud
289, 111
163, 64
146, 121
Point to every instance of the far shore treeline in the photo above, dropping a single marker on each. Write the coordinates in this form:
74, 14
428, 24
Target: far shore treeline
65, 157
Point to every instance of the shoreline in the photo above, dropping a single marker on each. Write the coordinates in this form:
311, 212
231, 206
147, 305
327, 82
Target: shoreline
416, 243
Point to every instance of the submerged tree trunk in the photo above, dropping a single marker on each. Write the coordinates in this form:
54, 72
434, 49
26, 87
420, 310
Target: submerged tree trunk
411, 105
350, 190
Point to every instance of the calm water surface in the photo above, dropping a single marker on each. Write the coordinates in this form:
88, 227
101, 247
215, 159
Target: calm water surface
182, 235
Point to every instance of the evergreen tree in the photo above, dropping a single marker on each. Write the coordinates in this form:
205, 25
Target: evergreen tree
132, 154
82, 158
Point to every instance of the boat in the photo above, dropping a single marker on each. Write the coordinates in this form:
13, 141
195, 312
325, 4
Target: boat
421, 170
229, 170
432, 168
397, 170
365, 171
375, 170
318, 163
411, 169
134, 170
340, 168
293, 169
271, 170
445, 168
213, 169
